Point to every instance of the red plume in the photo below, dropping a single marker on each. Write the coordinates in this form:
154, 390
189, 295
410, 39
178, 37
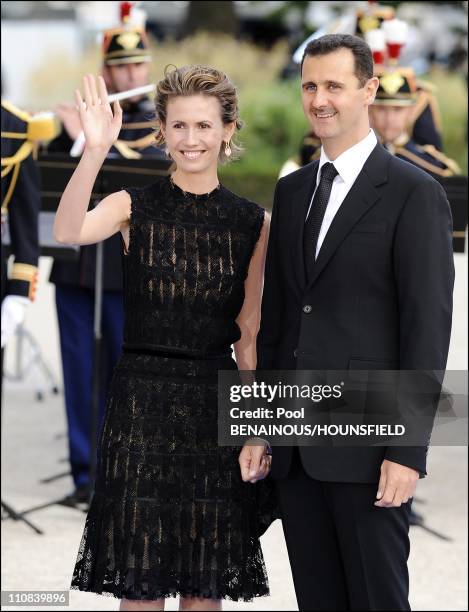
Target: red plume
396, 32
125, 9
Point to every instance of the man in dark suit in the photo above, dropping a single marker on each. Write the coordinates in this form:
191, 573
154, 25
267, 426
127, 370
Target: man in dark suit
359, 275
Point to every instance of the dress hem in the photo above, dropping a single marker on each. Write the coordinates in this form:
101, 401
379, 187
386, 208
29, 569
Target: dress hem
174, 593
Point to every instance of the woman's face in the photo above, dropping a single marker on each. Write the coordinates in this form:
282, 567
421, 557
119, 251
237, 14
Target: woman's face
194, 132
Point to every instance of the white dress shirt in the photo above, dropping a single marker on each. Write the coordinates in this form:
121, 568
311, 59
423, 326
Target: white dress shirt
348, 165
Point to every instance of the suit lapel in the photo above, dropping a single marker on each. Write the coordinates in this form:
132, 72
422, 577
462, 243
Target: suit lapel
302, 199
359, 200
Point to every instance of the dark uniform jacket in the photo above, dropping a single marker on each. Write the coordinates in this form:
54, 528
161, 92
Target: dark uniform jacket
427, 157
426, 129
135, 140
20, 203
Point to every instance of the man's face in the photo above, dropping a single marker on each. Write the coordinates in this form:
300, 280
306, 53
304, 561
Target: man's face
333, 100
126, 76
389, 121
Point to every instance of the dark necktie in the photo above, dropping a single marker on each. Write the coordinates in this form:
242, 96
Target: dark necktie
316, 215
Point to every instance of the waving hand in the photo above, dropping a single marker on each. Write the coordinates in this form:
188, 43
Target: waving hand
100, 125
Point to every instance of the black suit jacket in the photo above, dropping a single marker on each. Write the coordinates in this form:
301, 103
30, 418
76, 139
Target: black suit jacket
380, 296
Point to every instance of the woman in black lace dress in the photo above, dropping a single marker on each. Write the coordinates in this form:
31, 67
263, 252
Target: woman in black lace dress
173, 513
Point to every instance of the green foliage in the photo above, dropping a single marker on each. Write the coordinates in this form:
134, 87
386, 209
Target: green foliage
257, 186
274, 124
247, 65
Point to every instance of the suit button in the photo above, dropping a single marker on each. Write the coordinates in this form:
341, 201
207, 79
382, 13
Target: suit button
307, 308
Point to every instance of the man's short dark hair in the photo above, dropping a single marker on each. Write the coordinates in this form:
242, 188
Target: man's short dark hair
333, 42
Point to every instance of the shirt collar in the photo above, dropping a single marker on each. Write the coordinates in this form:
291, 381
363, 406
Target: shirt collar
350, 163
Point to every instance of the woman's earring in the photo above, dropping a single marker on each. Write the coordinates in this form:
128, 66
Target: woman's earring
227, 149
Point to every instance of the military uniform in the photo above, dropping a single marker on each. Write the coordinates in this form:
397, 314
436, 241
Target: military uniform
75, 281
426, 126
372, 18
20, 203
426, 157
398, 87
20, 206
429, 159
426, 122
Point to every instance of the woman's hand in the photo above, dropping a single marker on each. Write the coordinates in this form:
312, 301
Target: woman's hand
100, 126
255, 460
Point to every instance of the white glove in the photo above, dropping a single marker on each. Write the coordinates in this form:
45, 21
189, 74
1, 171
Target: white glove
13, 314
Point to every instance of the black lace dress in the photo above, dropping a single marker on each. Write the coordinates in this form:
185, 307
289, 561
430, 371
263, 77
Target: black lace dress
170, 514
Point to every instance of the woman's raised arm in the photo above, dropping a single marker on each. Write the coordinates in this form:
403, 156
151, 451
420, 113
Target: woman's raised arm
73, 224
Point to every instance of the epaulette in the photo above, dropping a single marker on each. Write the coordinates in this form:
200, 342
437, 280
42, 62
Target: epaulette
41, 127
451, 163
451, 166
23, 115
126, 151
140, 143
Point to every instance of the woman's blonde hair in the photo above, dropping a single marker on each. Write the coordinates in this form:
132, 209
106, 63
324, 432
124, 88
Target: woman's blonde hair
193, 80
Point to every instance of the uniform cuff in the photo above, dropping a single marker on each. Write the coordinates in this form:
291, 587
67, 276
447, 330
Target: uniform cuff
23, 280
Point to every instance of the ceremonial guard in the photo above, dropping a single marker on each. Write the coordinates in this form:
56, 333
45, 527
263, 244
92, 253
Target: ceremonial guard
424, 122
392, 115
21, 200
126, 60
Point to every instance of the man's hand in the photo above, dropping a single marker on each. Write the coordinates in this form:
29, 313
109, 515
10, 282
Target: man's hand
396, 484
70, 118
254, 461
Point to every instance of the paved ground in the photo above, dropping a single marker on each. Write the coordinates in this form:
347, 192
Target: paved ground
34, 448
